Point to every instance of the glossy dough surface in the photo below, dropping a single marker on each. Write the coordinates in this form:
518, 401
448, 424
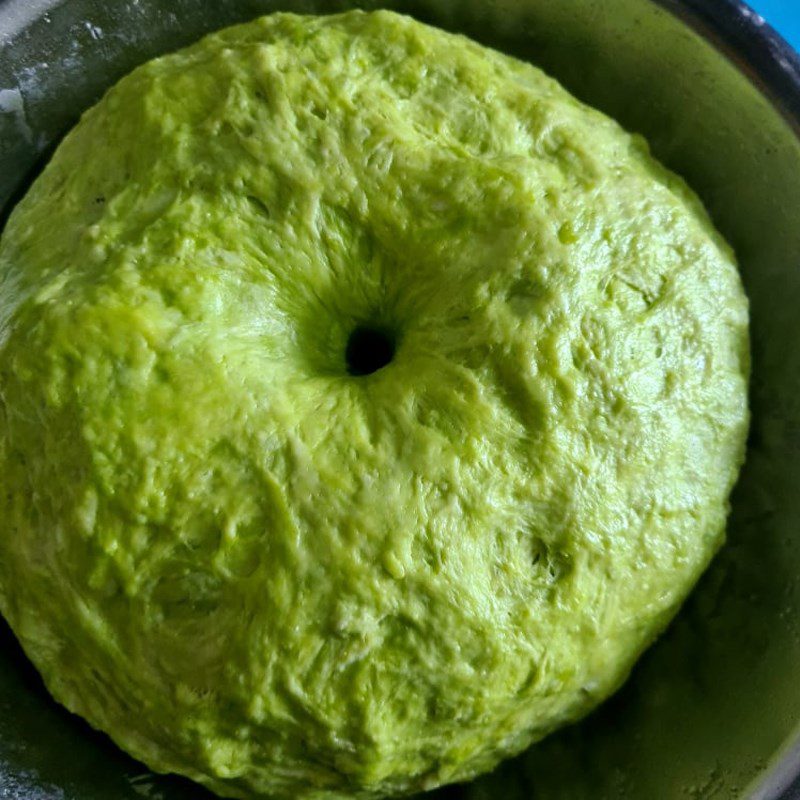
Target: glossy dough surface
283, 580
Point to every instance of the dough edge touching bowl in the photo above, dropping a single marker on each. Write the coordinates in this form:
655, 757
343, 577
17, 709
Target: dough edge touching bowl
718, 95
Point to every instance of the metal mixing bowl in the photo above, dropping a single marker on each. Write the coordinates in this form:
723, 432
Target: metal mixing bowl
712, 711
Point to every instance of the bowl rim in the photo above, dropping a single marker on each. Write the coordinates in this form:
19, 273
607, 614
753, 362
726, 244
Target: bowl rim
742, 35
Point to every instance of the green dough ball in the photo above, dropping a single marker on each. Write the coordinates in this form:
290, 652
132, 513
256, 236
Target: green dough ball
368, 406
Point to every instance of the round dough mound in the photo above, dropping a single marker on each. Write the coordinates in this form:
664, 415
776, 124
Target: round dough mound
254, 566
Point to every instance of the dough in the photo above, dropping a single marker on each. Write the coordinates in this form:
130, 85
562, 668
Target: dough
367, 406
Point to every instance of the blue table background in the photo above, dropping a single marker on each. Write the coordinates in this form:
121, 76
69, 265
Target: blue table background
783, 15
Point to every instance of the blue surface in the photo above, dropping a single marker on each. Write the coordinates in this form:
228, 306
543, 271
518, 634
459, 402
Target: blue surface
783, 15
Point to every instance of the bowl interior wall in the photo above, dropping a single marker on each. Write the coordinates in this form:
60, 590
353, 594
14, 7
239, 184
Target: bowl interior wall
715, 700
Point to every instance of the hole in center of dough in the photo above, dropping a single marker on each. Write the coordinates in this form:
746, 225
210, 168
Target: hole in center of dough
368, 350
